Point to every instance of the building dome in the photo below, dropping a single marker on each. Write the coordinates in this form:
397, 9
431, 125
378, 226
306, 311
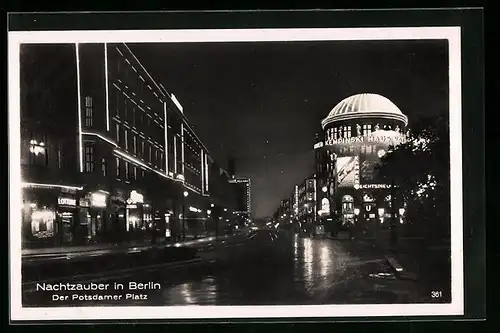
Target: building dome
362, 106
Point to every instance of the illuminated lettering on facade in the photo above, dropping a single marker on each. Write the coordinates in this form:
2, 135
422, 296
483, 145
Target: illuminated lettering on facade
367, 139
66, 201
371, 186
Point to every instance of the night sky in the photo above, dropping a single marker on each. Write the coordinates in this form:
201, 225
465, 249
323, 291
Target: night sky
262, 103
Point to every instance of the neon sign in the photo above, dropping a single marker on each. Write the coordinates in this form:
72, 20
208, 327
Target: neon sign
66, 201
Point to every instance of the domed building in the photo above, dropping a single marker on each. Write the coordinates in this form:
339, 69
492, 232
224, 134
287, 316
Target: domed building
356, 134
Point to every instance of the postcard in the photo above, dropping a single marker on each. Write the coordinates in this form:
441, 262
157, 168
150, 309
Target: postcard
235, 173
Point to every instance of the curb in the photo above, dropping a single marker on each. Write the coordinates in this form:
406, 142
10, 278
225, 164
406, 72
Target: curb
400, 271
115, 249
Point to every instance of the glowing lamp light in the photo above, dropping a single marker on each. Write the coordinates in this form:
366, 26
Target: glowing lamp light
401, 211
185, 193
356, 211
381, 153
209, 211
381, 211
212, 205
225, 209
324, 189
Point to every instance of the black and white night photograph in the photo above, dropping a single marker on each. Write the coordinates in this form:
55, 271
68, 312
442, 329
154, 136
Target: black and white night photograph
254, 170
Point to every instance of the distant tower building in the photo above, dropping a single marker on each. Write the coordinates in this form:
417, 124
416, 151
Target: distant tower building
243, 197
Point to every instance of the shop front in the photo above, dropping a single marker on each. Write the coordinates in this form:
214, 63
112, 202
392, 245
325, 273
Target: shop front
49, 217
95, 220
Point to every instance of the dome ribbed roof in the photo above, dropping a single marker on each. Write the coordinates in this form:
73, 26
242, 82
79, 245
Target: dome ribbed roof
365, 106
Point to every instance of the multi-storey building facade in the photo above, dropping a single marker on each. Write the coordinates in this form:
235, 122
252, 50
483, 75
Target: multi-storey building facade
243, 191
120, 162
307, 204
357, 133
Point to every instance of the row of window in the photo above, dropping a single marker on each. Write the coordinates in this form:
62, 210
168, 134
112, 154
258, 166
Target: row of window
348, 131
124, 169
126, 72
127, 110
140, 147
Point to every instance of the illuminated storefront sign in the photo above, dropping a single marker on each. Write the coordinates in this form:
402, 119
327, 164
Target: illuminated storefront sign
83, 203
66, 201
371, 186
98, 200
135, 197
318, 145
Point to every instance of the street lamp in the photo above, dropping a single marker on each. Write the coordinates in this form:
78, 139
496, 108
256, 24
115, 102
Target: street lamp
185, 194
324, 189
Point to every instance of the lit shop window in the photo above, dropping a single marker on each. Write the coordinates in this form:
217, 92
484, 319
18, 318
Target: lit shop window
135, 173
89, 157
88, 111
118, 168
142, 149
42, 223
162, 162
125, 138
127, 175
150, 154
335, 134
134, 140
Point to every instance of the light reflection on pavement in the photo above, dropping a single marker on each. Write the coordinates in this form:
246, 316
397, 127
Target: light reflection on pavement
284, 270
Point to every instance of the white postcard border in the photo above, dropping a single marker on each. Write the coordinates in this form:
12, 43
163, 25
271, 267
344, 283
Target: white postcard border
456, 307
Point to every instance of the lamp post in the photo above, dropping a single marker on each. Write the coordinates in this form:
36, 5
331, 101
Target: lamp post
356, 220
394, 234
184, 196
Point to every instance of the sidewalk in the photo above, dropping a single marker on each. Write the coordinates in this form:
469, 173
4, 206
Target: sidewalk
411, 258
70, 252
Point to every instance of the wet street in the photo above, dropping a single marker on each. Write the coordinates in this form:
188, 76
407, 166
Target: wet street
269, 268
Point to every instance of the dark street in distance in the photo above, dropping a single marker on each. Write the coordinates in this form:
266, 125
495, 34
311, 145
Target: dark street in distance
268, 268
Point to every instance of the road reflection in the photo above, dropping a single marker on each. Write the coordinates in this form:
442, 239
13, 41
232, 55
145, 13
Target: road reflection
307, 274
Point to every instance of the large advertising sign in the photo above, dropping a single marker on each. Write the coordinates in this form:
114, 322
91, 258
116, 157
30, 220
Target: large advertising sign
347, 169
367, 168
370, 148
